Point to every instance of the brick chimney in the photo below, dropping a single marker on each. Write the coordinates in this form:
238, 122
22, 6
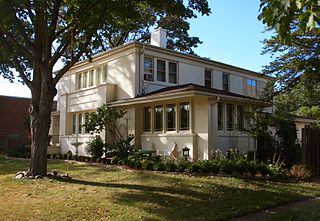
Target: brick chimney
159, 38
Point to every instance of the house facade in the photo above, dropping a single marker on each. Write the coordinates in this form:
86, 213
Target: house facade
171, 98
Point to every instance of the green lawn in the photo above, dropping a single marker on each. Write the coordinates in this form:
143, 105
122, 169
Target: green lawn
97, 193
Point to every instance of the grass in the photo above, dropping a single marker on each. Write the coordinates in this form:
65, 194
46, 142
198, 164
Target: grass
110, 193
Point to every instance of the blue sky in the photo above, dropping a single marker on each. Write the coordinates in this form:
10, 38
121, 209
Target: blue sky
232, 34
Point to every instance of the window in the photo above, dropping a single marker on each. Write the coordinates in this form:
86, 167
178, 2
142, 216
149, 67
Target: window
147, 119
225, 82
85, 79
230, 119
79, 123
158, 118
207, 78
105, 73
172, 73
99, 77
184, 116
73, 124
171, 117
91, 78
79, 81
252, 88
86, 119
240, 117
148, 69
220, 116
161, 70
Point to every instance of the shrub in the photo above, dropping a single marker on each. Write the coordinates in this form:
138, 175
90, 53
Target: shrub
262, 169
194, 167
121, 149
214, 166
170, 166
228, 166
182, 165
74, 157
299, 172
114, 160
204, 166
95, 147
159, 166
147, 164
137, 164
277, 170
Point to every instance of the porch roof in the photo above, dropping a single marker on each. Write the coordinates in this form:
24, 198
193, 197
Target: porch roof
183, 91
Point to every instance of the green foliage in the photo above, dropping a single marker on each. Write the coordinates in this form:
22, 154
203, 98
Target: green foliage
159, 166
170, 166
299, 172
228, 166
277, 169
121, 149
95, 147
147, 164
262, 169
281, 15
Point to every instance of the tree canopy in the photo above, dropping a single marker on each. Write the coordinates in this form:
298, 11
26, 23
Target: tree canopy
34, 35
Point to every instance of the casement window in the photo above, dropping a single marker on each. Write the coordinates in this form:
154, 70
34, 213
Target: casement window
173, 73
161, 70
80, 123
252, 87
91, 78
171, 117
184, 119
85, 79
77, 121
105, 73
240, 117
147, 119
225, 82
86, 118
158, 118
73, 123
99, 75
148, 69
220, 116
230, 117
78, 81
208, 78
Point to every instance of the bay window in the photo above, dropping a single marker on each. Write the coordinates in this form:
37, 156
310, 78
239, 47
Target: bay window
158, 118
184, 116
171, 117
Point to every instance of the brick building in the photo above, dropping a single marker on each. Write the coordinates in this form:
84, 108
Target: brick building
13, 114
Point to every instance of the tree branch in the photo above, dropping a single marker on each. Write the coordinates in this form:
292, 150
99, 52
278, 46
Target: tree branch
55, 16
19, 68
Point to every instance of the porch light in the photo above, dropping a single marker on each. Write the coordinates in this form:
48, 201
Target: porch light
185, 152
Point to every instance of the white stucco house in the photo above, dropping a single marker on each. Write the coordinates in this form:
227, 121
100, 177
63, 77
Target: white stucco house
170, 98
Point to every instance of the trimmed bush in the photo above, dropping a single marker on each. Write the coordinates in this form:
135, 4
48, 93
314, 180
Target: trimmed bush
182, 165
95, 147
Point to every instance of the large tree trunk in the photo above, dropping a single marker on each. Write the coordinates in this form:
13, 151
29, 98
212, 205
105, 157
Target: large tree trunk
40, 116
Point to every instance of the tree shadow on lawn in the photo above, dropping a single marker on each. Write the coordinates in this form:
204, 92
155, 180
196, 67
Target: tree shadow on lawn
192, 202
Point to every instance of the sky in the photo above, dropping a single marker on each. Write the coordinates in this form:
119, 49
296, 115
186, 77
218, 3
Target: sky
232, 34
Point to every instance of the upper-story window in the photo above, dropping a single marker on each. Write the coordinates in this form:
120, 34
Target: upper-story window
99, 75
252, 87
79, 81
148, 69
105, 73
161, 70
240, 117
172, 72
207, 78
91, 78
225, 82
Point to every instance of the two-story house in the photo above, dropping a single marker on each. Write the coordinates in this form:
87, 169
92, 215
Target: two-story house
170, 97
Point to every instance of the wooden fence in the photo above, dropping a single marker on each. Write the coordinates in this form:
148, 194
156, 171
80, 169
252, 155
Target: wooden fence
311, 149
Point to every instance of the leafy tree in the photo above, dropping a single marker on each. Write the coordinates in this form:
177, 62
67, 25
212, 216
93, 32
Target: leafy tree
34, 35
281, 15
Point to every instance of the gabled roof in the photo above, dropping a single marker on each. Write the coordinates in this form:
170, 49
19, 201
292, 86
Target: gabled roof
183, 91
